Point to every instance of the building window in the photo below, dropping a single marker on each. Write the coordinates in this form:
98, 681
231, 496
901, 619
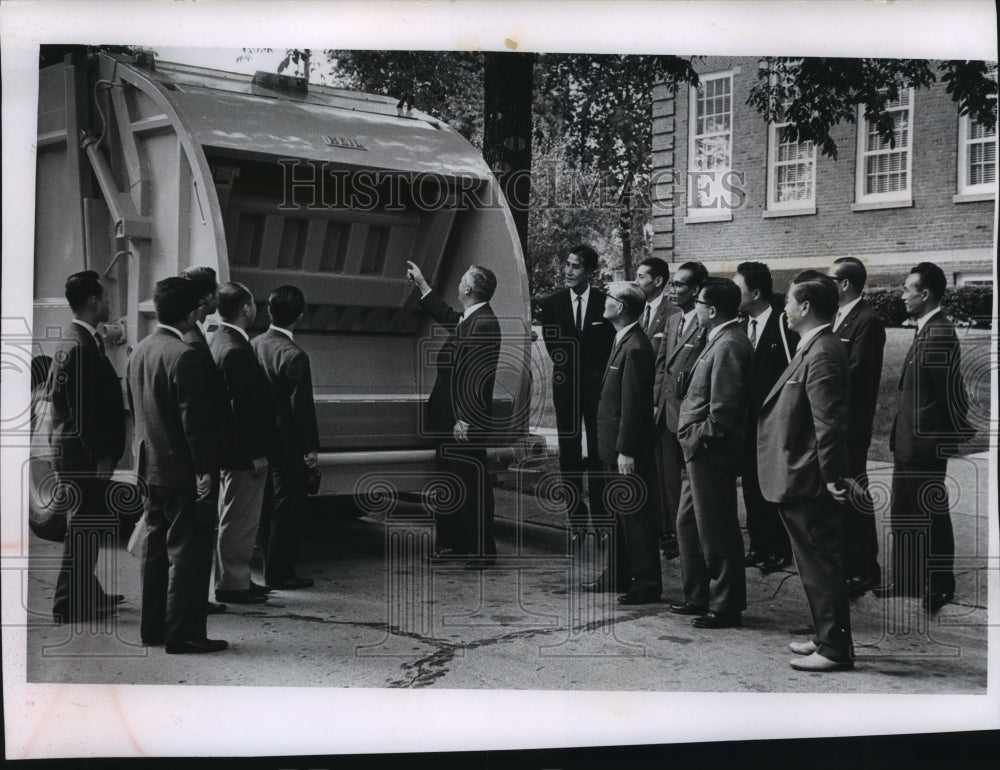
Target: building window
884, 172
710, 152
791, 174
977, 156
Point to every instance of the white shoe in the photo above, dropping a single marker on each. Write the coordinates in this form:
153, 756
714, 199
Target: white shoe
803, 648
820, 663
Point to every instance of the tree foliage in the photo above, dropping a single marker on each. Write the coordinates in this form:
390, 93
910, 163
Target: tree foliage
816, 94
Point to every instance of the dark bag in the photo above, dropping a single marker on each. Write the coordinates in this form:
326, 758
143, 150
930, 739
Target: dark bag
47, 503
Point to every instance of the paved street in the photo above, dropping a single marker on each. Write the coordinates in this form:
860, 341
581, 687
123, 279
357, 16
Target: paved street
381, 615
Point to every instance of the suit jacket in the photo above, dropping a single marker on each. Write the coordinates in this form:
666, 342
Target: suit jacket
713, 413
227, 447
578, 360
88, 412
802, 428
769, 359
466, 369
289, 383
252, 429
674, 361
623, 425
654, 331
175, 426
863, 333
932, 416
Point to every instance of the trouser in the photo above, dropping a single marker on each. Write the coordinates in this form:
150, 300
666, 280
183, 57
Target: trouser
669, 461
78, 591
570, 413
241, 497
816, 531
466, 527
636, 546
766, 532
922, 539
281, 520
709, 538
860, 530
177, 566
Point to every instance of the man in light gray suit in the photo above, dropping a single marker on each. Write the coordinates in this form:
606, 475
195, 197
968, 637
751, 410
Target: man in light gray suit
710, 431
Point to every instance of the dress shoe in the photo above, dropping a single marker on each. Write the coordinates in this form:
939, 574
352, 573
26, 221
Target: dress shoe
240, 597
114, 598
773, 563
638, 597
669, 547
152, 641
718, 620
753, 558
599, 586
196, 646
688, 609
820, 663
485, 563
292, 583
214, 608
807, 647
101, 613
259, 589
936, 600
858, 586
886, 591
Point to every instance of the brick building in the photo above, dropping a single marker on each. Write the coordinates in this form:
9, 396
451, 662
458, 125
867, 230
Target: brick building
932, 197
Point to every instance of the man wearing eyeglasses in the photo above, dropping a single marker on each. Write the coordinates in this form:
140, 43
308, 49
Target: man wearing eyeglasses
679, 347
710, 432
625, 436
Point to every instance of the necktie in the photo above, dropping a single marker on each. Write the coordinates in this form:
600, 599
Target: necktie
645, 320
680, 329
838, 319
579, 314
753, 332
100, 344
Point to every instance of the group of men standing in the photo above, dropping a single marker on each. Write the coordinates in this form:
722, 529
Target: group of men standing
686, 384
224, 435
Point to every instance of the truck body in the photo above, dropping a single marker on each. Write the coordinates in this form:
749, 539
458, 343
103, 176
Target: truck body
145, 168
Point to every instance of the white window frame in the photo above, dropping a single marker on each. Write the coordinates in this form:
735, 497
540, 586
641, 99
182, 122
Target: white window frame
973, 192
722, 210
895, 198
786, 208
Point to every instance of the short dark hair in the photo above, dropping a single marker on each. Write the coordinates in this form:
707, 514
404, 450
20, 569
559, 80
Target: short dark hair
285, 304
931, 278
587, 256
658, 268
757, 277
484, 282
232, 297
82, 286
698, 272
174, 298
819, 290
723, 295
852, 270
203, 277
633, 298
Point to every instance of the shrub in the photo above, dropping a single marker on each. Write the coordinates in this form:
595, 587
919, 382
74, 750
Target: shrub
888, 304
965, 305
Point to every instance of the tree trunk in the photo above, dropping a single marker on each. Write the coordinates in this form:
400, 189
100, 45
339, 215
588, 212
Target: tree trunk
507, 91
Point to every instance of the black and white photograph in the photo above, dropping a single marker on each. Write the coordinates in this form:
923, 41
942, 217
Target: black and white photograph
388, 377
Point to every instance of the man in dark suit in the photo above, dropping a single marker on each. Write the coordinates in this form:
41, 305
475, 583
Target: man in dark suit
930, 423
682, 341
208, 302
860, 328
460, 408
243, 478
578, 341
88, 431
710, 431
295, 450
625, 438
176, 440
802, 462
774, 346
652, 276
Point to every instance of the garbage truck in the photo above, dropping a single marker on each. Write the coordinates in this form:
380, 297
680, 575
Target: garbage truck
146, 167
